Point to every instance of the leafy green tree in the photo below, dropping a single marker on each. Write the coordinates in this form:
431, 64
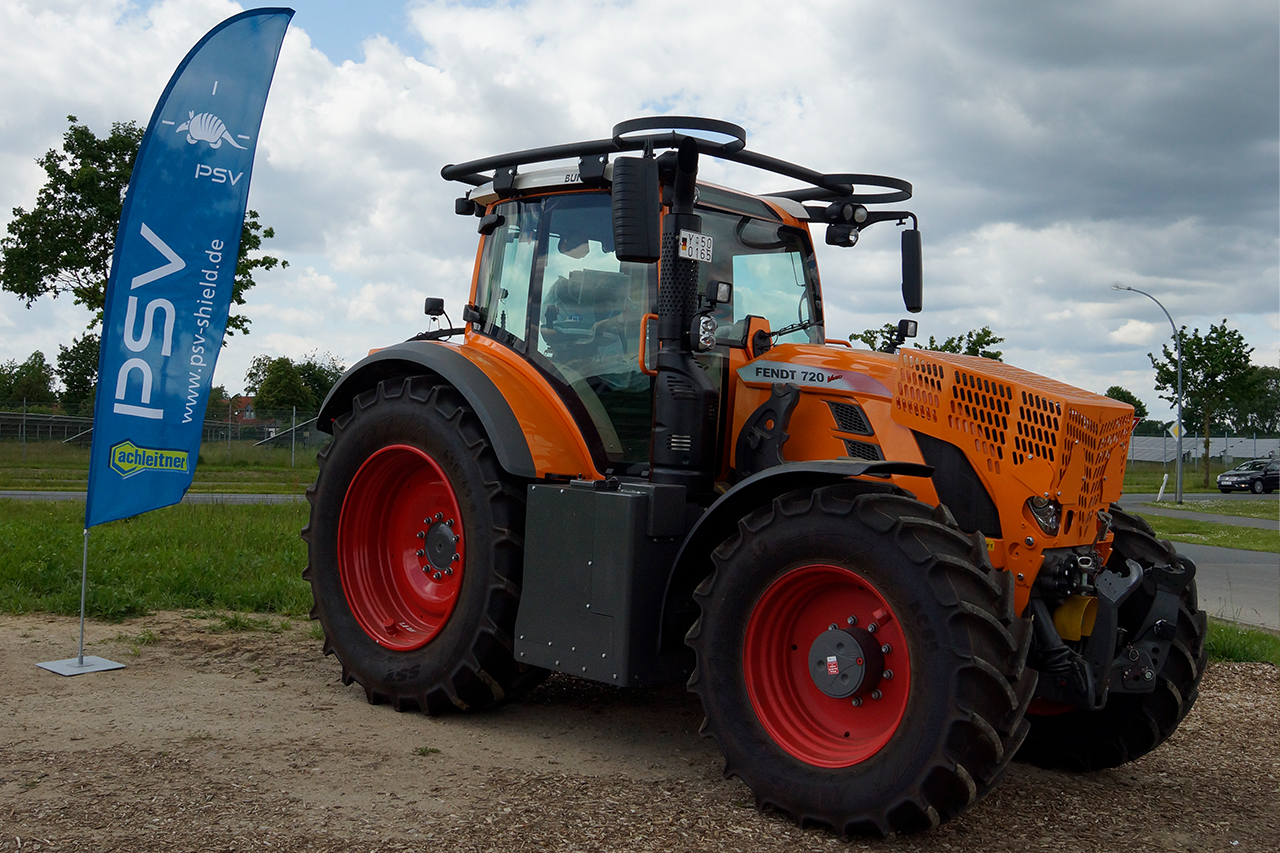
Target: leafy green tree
1257, 406
78, 371
877, 339
317, 373
1215, 374
32, 380
281, 388
64, 244
972, 342
1115, 392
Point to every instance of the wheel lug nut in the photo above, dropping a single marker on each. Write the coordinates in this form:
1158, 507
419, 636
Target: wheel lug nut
457, 557
831, 627
852, 620
876, 694
436, 576
422, 534
448, 522
871, 628
888, 675
422, 552
857, 701
448, 571
439, 515
886, 648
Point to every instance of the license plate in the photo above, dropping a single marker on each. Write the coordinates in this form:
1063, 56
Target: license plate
695, 246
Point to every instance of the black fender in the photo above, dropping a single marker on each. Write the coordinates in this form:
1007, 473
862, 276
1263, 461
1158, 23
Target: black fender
417, 358
720, 521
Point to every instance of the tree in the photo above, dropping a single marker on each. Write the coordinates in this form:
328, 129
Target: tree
877, 339
64, 244
319, 373
316, 373
78, 371
970, 343
31, 381
1257, 407
1215, 374
1115, 392
281, 387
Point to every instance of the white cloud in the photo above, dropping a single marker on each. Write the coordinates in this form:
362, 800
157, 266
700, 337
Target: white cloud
1054, 150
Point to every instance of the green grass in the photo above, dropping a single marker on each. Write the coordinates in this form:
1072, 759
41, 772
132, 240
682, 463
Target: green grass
1228, 641
243, 469
1217, 535
213, 557
1244, 509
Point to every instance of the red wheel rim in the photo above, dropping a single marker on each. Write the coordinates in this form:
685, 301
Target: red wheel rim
400, 565
810, 725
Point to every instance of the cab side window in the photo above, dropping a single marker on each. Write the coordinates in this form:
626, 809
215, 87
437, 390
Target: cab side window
506, 271
588, 320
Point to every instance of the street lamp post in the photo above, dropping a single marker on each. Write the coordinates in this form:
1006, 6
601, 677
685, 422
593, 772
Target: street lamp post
1177, 340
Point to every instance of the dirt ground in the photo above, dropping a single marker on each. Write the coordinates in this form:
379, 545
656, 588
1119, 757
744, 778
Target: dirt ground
214, 741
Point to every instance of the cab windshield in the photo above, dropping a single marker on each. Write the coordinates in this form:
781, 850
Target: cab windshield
773, 272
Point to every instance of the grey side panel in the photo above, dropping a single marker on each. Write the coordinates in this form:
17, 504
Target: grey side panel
413, 358
595, 567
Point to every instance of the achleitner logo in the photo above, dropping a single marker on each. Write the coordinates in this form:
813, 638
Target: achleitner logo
128, 459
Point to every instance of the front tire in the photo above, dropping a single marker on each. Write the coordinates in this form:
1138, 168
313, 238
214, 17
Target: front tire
415, 548
1256, 487
902, 752
1131, 724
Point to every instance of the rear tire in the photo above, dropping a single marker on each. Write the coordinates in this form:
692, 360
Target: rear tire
1131, 724
947, 721
415, 549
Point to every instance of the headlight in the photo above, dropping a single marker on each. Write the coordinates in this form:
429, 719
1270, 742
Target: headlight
703, 334
1047, 513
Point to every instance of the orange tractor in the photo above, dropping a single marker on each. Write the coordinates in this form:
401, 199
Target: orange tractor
639, 459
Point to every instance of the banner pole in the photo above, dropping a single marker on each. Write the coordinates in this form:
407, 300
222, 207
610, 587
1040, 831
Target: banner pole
293, 436
79, 665
84, 586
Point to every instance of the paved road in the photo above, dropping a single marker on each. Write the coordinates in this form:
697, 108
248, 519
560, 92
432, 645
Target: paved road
1239, 585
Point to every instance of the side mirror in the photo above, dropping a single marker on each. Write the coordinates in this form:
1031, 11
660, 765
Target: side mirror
433, 307
637, 206
912, 271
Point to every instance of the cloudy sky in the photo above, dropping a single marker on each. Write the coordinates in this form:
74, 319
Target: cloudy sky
1055, 149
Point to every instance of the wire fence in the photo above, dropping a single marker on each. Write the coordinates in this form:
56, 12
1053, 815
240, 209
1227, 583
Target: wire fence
274, 429
1225, 447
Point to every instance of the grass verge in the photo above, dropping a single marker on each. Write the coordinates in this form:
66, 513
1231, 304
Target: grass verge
189, 556
1268, 509
1217, 535
1145, 477
240, 469
1229, 641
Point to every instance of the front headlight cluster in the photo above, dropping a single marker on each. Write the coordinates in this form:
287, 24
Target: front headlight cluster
1047, 513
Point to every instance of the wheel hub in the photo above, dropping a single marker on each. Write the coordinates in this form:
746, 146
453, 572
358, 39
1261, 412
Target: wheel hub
846, 662
441, 546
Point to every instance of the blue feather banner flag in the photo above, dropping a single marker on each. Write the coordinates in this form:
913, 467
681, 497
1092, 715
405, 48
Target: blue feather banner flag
169, 291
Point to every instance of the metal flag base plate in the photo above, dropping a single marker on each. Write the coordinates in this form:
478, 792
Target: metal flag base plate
73, 666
